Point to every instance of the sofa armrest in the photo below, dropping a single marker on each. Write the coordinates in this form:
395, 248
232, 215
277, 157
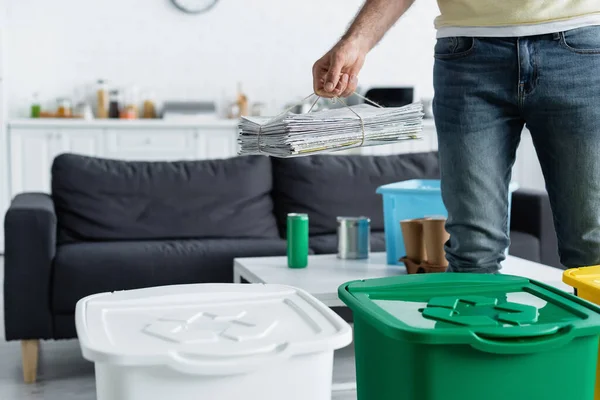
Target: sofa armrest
30, 245
531, 213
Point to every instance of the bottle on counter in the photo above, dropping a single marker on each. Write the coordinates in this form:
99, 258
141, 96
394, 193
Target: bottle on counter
233, 111
114, 107
83, 110
242, 102
129, 112
258, 109
130, 104
36, 107
102, 99
63, 109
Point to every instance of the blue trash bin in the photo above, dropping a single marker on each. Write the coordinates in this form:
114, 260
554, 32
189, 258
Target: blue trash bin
411, 199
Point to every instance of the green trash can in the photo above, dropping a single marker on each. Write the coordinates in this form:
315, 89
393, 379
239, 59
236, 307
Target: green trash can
471, 337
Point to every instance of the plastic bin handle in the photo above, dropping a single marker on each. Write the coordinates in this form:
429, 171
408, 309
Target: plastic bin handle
524, 340
196, 364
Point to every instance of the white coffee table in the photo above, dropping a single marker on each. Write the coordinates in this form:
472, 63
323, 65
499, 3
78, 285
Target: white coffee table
325, 273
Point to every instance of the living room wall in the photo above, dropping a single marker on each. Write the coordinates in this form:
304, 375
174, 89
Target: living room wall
54, 47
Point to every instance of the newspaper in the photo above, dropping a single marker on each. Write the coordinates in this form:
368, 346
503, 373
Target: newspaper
292, 135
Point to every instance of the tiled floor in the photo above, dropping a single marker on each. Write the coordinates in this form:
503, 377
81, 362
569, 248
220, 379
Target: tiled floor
63, 374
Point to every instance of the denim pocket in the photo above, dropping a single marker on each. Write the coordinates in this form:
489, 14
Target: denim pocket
454, 47
582, 40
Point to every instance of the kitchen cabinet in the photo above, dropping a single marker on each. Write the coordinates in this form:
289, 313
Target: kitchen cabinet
214, 145
151, 144
33, 144
88, 144
32, 152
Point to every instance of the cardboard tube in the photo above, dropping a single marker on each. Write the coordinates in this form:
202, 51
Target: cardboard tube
435, 236
412, 233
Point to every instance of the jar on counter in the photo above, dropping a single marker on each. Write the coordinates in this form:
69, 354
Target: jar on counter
64, 109
83, 110
148, 105
36, 108
130, 103
102, 99
114, 107
258, 109
129, 112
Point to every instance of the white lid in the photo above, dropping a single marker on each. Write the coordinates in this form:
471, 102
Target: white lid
209, 329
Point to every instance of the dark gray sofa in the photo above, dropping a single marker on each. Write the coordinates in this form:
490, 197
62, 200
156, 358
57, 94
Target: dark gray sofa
114, 225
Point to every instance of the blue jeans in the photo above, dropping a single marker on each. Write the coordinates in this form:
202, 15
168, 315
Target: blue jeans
486, 90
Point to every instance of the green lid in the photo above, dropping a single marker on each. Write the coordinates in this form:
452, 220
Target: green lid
494, 313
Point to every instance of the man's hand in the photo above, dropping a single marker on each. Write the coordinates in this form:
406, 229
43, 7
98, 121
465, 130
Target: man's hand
336, 73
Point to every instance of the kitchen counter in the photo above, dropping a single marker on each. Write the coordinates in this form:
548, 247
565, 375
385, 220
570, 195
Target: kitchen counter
120, 123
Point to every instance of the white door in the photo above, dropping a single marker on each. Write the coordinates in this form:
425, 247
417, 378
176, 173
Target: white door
4, 176
137, 144
216, 143
32, 152
87, 143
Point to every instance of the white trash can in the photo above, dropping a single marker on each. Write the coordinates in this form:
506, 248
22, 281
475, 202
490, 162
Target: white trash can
210, 341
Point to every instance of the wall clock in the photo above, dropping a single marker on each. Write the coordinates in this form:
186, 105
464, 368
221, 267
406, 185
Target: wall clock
194, 6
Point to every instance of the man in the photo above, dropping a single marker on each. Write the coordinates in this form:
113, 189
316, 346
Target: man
500, 65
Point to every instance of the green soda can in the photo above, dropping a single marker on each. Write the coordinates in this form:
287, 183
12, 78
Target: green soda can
297, 240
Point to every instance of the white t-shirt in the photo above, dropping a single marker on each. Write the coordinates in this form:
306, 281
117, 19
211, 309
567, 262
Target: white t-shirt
519, 30
510, 18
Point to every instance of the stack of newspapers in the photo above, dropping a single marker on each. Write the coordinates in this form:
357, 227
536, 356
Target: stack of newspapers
291, 135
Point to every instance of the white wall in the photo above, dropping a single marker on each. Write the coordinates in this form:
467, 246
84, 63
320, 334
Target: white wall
269, 45
3, 142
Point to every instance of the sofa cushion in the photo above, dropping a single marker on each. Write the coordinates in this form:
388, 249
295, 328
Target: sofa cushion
82, 269
328, 186
524, 245
327, 244
100, 199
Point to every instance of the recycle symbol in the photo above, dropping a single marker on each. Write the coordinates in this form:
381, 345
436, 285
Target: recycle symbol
198, 327
479, 311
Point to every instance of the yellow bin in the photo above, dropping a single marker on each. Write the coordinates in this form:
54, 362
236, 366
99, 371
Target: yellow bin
586, 282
